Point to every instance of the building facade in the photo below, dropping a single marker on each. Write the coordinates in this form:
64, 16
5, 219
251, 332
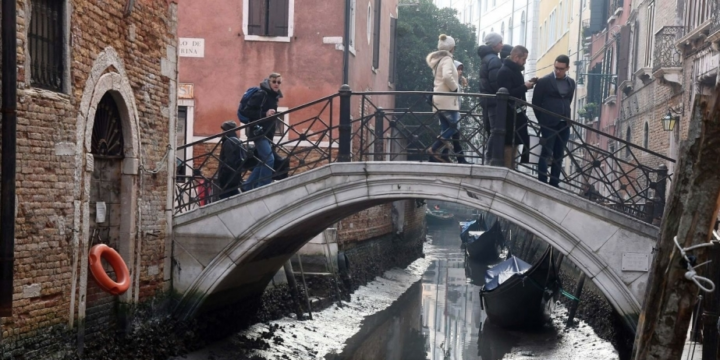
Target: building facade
96, 111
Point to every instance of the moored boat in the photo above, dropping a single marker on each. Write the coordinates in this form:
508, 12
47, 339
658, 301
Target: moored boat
439, 217
516, 294
484, 245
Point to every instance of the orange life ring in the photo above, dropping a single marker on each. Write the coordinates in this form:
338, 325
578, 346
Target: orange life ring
118, 264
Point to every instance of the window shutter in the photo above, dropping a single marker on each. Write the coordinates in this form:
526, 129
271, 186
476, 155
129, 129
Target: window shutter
594, 85
598, 15
278, 19
376, 34
393, 50
623, 54
256, 17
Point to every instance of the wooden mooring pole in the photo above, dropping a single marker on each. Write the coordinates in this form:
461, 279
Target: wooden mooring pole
293, 288
690, 214
576, 301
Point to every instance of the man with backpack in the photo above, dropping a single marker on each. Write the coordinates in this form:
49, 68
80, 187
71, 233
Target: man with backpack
232, 155
261, 103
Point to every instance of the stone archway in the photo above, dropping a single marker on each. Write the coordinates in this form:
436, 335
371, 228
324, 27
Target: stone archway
107, 86
236, 244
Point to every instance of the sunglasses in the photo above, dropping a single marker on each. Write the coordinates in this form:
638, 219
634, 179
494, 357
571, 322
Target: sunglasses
276, 82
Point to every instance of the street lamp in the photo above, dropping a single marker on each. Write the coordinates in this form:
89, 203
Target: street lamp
668, 121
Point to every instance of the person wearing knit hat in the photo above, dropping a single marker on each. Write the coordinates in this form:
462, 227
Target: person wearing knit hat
229, 176
494, 40
505, 51
446, 107
446, 42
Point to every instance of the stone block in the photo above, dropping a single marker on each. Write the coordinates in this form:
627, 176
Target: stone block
592, 232
32, 291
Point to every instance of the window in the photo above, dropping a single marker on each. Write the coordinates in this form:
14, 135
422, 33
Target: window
392, 76
628, 139
510, 31
268, 17
46, 45
649, 36
268, 20
502, 29
645, 136
376, 34
370, 24
351, 41
522, 28
561, 27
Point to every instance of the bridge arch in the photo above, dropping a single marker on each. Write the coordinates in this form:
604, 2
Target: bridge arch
239, 243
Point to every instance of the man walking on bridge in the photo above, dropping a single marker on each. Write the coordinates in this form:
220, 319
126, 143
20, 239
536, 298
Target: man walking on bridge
554, 93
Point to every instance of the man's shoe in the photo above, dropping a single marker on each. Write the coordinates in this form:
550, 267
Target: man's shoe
436, 156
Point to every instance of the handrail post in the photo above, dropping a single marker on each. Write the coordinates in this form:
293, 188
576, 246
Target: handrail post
378, 143
497, 129
345, 126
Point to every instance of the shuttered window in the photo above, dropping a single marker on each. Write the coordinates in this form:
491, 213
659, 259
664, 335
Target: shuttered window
393, 50
46, 45
376, 34
624, 54
268, 17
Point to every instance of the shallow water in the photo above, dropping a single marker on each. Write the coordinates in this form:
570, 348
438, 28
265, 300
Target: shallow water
429, 310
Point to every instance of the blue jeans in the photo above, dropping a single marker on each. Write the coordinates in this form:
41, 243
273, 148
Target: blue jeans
263, 171
554, 139
448, 126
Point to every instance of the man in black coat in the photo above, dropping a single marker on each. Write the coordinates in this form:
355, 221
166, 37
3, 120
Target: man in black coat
263, 104
511, 77
490, 64
232, 155
554, 93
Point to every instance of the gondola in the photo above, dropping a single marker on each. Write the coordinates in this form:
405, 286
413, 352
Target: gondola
484, 245
473, 225
516, 294
439, 217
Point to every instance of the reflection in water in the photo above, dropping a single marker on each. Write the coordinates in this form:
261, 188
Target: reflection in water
440, 318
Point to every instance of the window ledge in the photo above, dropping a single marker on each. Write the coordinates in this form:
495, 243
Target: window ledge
644, 74
285, 39
45, 94
673, 75
696, 33
340, 47
626, 86
611, 19
618, 11
610, 100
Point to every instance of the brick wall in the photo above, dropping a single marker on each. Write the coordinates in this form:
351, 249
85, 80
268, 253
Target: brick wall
50, 168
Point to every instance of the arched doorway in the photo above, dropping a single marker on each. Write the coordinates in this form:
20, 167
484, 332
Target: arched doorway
105, 203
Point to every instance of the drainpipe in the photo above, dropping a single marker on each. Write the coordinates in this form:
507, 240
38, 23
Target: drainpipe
577, 53
7, 179
346, 44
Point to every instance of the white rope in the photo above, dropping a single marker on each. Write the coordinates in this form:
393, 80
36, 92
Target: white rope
691, 274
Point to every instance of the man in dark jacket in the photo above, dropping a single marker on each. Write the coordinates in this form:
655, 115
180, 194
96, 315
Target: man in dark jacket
511, 77
554, 93
263, 105
232, 155
490, 64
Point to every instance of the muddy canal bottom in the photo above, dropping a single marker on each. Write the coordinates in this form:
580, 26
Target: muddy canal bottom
430, 310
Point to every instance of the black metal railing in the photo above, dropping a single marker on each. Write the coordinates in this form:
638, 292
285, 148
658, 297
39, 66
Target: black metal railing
666, 54
402, 126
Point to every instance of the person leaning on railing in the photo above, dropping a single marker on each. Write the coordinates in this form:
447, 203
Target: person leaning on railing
511, 77
554, 93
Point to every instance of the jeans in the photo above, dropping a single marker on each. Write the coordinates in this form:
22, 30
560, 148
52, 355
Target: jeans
263, 171
496, 143
448, 123
554, 139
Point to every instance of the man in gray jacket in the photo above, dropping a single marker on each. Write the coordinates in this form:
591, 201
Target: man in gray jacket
554, 93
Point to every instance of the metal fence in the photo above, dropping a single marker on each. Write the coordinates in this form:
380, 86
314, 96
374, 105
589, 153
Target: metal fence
629, 179
666, 54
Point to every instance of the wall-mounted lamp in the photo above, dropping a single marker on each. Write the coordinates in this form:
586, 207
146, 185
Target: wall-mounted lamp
671, 118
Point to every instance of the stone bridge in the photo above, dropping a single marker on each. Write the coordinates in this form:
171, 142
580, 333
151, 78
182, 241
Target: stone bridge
232, 248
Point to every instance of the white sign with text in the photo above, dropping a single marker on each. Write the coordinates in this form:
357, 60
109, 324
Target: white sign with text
190, 47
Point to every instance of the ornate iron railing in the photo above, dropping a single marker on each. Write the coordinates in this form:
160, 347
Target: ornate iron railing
401, 126
666, 54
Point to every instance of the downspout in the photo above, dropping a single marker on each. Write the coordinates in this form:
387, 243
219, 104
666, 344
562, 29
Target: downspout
577, 54
9, 152
346, 44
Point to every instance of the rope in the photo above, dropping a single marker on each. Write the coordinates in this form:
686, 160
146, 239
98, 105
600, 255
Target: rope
703, 283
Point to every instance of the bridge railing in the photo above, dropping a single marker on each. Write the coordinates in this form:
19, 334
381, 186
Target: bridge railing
398, 126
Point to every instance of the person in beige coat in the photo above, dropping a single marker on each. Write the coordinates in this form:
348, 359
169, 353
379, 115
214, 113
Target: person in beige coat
447, 107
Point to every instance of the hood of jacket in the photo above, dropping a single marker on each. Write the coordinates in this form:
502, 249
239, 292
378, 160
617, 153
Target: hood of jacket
484, 51
458, 64
265, 85
434, 57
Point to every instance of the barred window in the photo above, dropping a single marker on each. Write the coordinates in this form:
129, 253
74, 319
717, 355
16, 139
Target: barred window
45, 36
